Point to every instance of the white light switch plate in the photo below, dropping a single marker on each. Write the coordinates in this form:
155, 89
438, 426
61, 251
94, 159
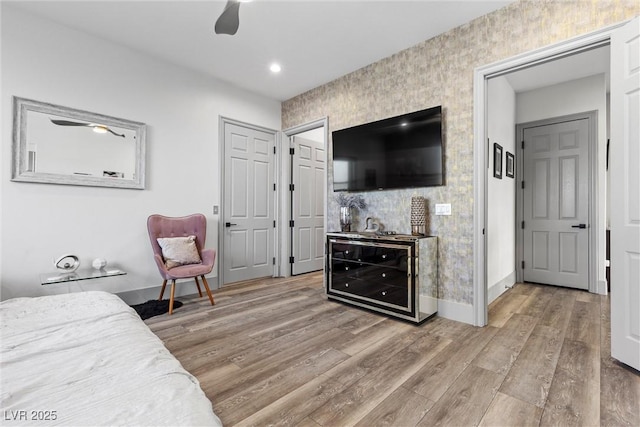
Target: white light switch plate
443, 208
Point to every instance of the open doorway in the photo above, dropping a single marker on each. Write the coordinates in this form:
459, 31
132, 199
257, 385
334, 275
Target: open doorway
506, 71
551, 92
304, 199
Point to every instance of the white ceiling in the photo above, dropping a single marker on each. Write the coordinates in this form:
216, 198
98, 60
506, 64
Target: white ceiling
572, 67
315, 41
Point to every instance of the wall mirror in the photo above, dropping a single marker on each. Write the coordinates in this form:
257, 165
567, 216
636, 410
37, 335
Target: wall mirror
59, 145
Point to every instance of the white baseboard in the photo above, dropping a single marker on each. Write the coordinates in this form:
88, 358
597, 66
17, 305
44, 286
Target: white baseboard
183, 288
602, 287
501, 287
455, 311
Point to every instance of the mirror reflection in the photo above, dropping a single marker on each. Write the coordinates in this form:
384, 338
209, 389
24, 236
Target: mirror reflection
60, 145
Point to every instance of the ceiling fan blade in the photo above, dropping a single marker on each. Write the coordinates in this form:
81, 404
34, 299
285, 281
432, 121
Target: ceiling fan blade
229, 20
114, 133
91, 125
68, 123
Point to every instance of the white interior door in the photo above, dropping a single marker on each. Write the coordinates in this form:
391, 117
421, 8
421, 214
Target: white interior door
556, 203
308, 171
248, 210
625, 194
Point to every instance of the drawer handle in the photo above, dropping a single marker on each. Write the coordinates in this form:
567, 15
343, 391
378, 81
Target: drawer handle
384, 274
346, 285
384, 293
346, 269
384, 256
346, 252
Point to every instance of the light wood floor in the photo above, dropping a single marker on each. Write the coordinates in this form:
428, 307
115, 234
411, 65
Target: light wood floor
276, 351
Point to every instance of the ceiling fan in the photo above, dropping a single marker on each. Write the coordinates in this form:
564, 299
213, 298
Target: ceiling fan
228, 22
96, 128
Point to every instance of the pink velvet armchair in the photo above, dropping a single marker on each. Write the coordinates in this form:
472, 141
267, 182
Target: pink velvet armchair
192, 225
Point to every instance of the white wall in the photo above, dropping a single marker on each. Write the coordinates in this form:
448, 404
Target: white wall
577, 96
39, 222
501, 193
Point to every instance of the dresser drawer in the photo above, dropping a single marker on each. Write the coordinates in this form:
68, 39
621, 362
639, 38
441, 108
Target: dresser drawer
397, 297
371, 254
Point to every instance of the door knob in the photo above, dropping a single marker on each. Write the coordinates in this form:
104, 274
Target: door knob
579, 226
228, 224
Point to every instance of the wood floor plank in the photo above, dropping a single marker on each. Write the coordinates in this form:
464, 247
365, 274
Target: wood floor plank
559, 309
308, 422
257, 396
503, 350
379, 354
432, 380
402, 408
295, 406
530, 376
372, 336
509, 411
584, 323
619, 394
355, 402
302, 359
501, 310
363, 322
225, 386
466, 401
447, 328
574, 396
537, 301
283, 343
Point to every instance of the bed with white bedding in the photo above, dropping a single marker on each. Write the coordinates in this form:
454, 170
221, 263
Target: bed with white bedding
85, 359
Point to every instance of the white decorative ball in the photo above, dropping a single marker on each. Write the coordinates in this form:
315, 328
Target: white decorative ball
99, 263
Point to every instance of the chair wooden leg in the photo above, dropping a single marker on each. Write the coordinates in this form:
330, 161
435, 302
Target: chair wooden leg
164, 285
206, 287
198, 285
173, 292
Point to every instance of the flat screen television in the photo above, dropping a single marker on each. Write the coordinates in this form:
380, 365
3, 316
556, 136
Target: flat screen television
399, 152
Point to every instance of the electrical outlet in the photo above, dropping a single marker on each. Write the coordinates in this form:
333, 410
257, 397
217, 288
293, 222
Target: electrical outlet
443, 208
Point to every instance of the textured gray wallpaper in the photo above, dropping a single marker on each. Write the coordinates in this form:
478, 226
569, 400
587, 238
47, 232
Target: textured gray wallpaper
439, 71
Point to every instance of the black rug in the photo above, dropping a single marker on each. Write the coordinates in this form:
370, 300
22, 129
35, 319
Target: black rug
154, 308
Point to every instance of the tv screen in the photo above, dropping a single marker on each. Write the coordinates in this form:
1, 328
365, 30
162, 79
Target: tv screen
398, 152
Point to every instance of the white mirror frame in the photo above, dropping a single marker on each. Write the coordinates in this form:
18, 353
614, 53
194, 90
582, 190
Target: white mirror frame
20, 170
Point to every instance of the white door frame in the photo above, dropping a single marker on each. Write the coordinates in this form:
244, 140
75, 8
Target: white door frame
285, 200
481, 75
222, 122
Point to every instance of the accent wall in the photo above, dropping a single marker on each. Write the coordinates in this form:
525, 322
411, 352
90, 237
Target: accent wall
439, 71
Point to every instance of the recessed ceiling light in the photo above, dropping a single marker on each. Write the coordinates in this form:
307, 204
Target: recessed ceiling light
275, 68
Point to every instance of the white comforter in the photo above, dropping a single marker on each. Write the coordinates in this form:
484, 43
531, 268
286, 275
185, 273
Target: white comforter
87, 359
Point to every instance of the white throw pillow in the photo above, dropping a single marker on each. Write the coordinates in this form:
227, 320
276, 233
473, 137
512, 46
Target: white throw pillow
179, 251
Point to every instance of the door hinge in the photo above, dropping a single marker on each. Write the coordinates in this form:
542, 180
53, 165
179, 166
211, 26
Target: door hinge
291, 187
522, 225
522, 184
291, 223
274, 261
291, 151
274, 186
522, 264
522, 144
274, 149
291, 260
274, 223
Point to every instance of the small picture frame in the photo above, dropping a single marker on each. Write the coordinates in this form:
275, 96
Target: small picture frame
511, 165
497, 160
